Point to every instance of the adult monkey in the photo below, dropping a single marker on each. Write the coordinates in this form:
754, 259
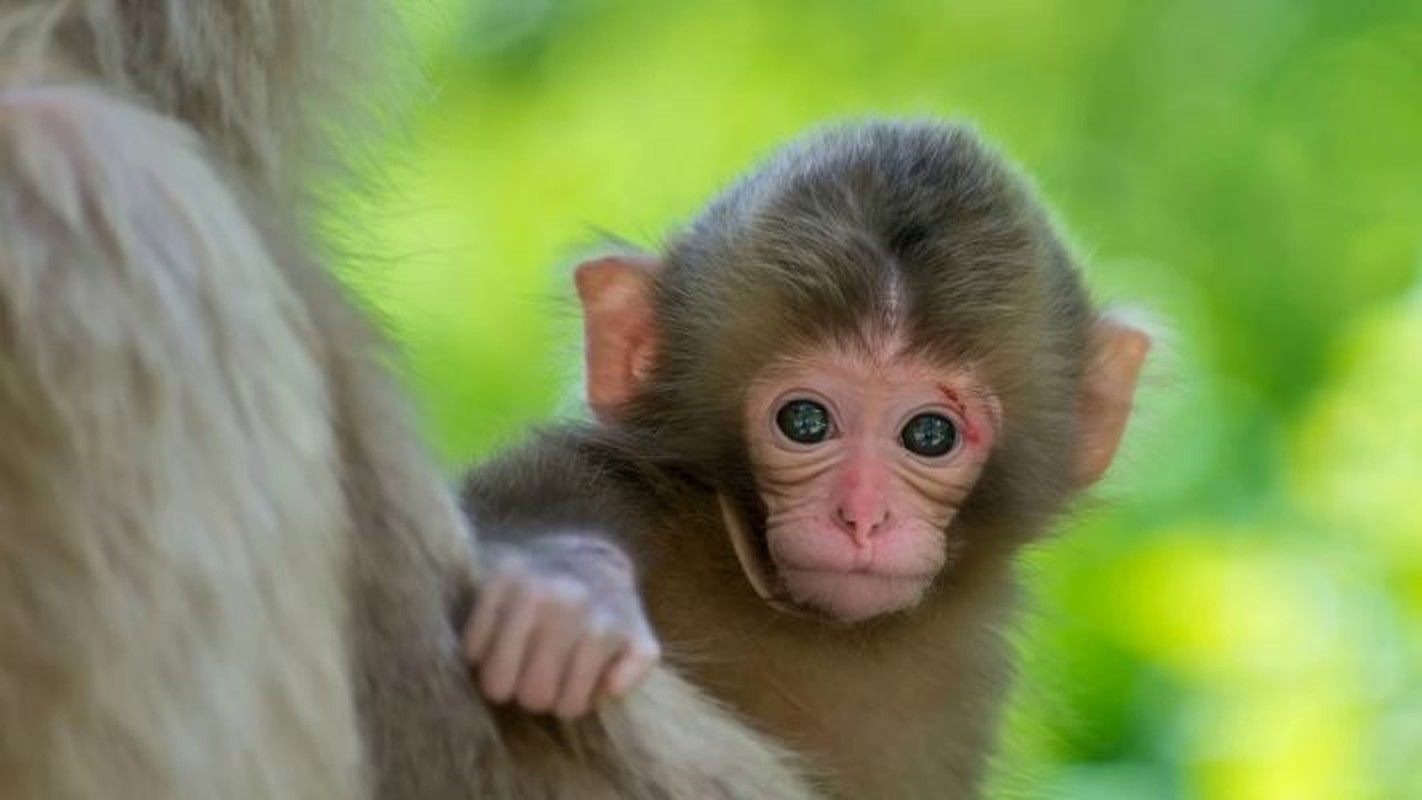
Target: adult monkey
227, 568
829, 415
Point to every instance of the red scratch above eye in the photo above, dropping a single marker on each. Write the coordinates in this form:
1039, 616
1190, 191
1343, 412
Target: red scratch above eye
971, 432
953, 399
950, 394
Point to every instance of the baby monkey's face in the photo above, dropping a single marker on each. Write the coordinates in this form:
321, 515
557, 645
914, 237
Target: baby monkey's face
863, 456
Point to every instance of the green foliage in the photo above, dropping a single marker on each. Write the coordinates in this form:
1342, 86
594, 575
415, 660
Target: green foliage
1242, 616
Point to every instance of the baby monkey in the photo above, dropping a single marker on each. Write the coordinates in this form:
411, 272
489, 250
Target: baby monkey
827, 417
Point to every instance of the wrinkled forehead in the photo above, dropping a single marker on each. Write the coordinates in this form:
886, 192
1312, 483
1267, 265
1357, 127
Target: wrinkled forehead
873, 355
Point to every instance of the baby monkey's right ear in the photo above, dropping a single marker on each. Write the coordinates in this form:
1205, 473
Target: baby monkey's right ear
619, 328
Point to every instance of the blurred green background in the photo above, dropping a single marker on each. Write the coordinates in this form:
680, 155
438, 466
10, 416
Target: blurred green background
1240, 617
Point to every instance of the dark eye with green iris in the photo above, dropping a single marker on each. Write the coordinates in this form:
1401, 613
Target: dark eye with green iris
803, 421
929, 435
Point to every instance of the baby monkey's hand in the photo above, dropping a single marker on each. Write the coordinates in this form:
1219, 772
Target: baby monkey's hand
558, 626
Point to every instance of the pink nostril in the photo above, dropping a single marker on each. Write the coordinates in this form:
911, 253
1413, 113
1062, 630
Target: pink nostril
861, 532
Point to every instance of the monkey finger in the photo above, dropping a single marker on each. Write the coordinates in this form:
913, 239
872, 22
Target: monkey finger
631, 668
551, 648
498, 674
582, 678
488, 610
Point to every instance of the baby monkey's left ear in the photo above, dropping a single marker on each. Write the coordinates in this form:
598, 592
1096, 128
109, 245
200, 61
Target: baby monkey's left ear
619, 328
1119, 350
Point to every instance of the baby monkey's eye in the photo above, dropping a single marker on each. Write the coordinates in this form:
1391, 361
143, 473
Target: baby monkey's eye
929, 435
803, 421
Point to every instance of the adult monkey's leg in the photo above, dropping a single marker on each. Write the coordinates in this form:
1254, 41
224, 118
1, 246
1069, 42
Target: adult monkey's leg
162, 435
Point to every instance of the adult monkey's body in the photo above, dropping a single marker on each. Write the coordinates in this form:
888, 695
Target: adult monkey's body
227, 569
831, 414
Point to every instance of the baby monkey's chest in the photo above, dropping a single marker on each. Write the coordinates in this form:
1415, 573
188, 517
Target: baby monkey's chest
873, 727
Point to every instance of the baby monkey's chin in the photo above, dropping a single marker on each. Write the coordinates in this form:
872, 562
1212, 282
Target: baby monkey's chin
853, 596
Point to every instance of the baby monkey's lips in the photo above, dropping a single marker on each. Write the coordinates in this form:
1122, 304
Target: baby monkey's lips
853, 595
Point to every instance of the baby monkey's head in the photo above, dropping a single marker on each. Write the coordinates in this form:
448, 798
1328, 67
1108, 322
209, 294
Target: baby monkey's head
878, 350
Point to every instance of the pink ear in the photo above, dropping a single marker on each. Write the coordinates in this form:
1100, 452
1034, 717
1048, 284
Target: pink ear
619, 329
1120, 350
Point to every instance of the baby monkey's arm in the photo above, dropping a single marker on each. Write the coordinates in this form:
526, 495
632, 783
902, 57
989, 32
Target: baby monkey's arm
558, 624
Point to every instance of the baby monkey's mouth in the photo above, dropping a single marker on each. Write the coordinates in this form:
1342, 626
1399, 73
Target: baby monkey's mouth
847, 597
835, 596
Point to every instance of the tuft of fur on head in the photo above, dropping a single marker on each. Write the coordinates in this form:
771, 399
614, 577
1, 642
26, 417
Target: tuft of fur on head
262, 81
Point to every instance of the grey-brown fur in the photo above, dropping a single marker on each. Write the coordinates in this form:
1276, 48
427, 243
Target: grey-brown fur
227, 567
917, 224
914, 228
